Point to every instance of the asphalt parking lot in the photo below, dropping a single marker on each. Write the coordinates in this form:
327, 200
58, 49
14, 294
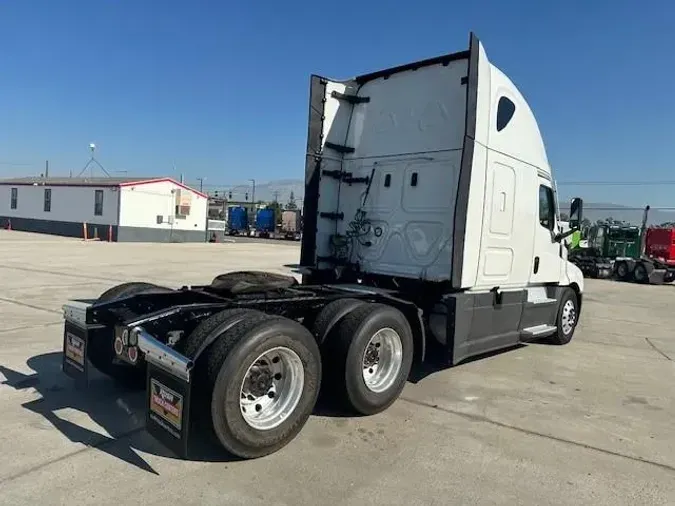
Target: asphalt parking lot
588, 423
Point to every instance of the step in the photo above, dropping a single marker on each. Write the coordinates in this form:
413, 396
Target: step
539, 330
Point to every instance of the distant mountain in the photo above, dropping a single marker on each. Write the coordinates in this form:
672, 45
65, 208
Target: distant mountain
601, 210
282, 188
279, 189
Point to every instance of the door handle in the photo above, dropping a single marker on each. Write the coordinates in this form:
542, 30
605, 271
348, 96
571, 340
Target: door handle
536, 264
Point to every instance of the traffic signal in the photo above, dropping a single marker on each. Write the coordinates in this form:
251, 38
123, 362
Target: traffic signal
246, 196
229, 195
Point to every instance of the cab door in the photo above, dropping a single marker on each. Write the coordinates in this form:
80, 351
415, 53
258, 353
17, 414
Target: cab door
547, 259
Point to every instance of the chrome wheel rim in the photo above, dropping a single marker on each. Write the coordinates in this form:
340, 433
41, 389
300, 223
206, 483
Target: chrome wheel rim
382, 360
569, 317
271, 388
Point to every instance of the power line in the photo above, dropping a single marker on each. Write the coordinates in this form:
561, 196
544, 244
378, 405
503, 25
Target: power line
591, 208
615, 183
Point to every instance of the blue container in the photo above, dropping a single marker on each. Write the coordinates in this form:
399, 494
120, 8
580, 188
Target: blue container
237, 219
264, 221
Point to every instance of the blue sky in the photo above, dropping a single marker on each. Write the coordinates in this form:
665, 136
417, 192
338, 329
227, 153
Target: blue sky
219, 89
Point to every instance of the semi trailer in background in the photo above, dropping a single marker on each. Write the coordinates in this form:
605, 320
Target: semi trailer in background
237, 220
430, 232
291, 224
265, 223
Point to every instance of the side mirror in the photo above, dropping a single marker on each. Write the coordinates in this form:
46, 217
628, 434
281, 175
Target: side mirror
576, 213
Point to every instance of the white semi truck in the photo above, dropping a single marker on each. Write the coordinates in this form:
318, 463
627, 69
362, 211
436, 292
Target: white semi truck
430, 228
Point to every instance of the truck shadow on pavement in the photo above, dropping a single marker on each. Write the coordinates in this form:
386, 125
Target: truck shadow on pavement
119, 412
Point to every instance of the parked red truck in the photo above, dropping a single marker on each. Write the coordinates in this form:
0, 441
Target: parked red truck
660, 243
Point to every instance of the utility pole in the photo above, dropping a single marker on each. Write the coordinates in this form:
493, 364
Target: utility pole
201, 184
276, 195
253, 199
46, 169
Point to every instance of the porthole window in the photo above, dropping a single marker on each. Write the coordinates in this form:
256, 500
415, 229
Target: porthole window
505, 110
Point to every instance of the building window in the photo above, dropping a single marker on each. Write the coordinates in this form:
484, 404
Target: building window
505, 111
98, 203
182, 212
183, 202
546, 207
48, 200
15, 198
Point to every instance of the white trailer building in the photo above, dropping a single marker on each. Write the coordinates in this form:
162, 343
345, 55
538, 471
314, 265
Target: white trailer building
126, 209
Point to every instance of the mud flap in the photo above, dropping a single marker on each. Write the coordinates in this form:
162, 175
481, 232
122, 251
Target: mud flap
75, 343
168, 409
603, 271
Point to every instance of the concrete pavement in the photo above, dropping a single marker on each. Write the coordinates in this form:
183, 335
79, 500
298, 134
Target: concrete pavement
587, 423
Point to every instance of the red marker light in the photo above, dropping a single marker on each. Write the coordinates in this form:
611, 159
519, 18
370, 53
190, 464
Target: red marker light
119, 345
132, 353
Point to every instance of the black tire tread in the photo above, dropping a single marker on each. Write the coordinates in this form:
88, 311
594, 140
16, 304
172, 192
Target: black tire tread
251, 282
197, 337
216, 359
222, 347
558, 338
323, 321
126, 289
338, 351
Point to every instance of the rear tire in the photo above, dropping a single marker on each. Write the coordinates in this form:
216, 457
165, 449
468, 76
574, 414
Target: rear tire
621, 269
370, 352
568, 316
226, 319
640, 273
101, 351
329, 316
262, 355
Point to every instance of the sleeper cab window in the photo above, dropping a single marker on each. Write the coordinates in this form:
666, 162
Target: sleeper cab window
505, 111
546, 207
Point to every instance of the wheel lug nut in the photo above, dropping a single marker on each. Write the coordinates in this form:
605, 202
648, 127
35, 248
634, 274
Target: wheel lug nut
277, 376
270, 395
258, 407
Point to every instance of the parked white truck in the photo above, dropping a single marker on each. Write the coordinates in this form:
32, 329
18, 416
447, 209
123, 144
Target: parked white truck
430, 228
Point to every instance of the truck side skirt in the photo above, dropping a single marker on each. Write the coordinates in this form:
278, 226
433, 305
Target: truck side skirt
479, 323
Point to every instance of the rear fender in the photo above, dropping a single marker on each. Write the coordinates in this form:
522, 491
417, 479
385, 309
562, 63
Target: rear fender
414, 316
